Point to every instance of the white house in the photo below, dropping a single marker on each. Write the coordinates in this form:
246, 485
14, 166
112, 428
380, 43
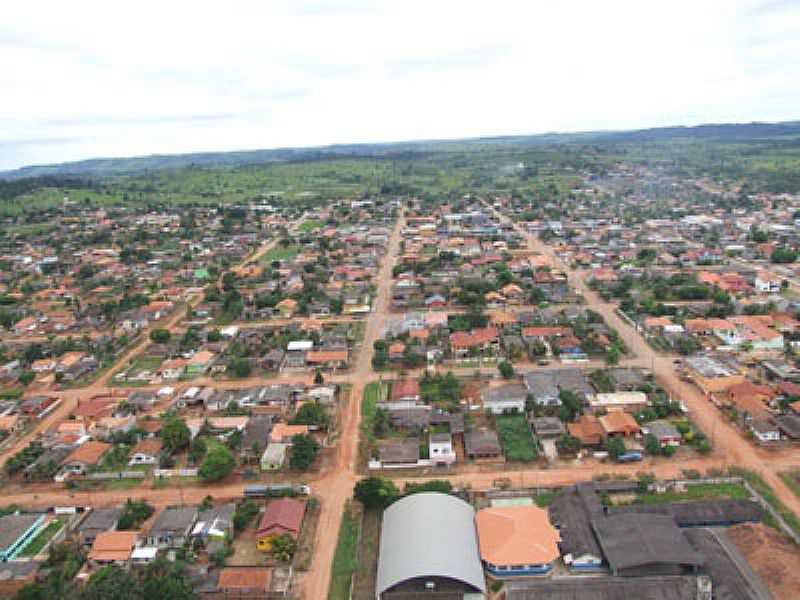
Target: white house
506, 398
440, 448
767, 283
274, 456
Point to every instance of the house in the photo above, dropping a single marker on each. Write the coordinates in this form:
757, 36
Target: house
588, 430
482, 445
546, 386
442, 553
767, 283
172, 527
16, 530
274, 456
618, 401
505, 398
215, 523
85, 456
480, 340
199, 363
619, 424
97, 521
113, 548
255, 437
547, 427
517, 541
286, 307
283, 432
764, 429
327, 359
146, 452
440, 449
405, 394
665, 432
398, 453
244, 582
283, 516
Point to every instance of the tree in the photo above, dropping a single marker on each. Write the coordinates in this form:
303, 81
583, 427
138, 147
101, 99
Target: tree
175, 435
612, 355
434, 485
26, 377
376, 492
318, 378
197, 450
218, 464
651, 445
304, 451
506, 369
240, 367
111, 583
568, 444
311, 413
783, 255
616, 447
133, 515
160, 335
571, 405
283, 547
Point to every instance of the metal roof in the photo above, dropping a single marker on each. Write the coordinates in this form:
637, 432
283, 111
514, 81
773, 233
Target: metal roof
429, 535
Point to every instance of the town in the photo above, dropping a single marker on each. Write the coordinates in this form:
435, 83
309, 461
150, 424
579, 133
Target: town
584, 386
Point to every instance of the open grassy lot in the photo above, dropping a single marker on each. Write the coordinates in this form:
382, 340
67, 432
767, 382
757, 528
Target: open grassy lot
309, 225
704, 491
763, 488
281, 253
792, 479
516, 438
345, 561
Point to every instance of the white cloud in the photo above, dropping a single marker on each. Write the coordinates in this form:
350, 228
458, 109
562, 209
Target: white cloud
87, 79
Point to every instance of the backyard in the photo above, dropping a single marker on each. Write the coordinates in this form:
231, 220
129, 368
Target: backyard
516, 438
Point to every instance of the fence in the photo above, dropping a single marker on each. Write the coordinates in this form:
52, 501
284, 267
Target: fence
175, 473
105, 476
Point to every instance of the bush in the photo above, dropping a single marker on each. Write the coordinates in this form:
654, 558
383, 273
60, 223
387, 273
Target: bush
304, 451
160, 336
218, 464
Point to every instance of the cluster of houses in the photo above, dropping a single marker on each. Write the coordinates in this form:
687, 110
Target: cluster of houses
421, 431
445, 253
108, 538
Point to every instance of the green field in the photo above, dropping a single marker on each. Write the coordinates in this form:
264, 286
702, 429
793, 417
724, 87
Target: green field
310, 225
345, 561
516, 438
702, 491
280, 253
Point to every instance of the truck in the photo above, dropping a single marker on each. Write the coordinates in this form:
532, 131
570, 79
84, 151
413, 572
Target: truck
629, 457
274, 490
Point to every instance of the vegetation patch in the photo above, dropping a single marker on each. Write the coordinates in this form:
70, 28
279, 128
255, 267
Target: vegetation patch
345, 561
516, 438
38, 543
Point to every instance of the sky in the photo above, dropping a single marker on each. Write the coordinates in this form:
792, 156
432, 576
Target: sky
86, 79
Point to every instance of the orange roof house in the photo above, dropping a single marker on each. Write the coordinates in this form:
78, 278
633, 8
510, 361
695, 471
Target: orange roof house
87, 454
619, 423
517, 535
588, 430
113, 547
283, 432
322, 357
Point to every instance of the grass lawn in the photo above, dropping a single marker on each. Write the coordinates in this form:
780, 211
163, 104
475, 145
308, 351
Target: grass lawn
703, 491
280, 253
309, 225
763, 488
345, 561
516, 438
545, 499
792, 479
45, 535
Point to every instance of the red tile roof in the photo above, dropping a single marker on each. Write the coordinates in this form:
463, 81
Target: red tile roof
283, 516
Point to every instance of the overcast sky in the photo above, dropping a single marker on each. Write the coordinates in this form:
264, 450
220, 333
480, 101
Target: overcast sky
96, 79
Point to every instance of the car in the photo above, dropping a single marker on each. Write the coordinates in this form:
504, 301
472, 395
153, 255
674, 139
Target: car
543, 362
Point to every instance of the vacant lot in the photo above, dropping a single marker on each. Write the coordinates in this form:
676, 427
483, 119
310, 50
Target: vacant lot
281, 253
775, 559
705, 491
516, 438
